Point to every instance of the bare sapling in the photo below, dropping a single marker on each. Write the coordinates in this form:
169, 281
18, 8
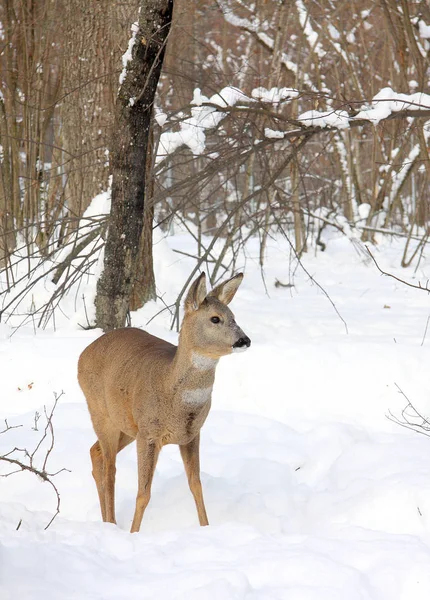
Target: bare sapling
35, 461
140, 387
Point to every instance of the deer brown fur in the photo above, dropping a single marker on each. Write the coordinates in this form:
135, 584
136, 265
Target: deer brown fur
140, 387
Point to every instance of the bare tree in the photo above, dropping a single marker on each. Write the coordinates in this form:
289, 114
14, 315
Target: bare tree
129, 149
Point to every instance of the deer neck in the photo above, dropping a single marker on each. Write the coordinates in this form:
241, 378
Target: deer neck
192, 373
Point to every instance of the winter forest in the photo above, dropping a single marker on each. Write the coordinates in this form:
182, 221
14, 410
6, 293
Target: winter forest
144, 142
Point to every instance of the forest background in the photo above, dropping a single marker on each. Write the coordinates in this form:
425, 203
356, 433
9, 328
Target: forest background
235, 150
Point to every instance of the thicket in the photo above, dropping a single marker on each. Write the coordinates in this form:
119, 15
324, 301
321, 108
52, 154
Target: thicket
253, 168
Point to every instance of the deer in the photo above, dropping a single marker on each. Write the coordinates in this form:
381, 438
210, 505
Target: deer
141, 387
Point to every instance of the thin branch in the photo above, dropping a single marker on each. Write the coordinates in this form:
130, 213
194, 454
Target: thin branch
425, 331
423, 427
308, 274
8, 427
412, 285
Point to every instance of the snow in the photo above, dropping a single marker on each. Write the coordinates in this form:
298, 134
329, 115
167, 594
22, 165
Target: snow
205, 114
273, 134
274, 95
198, 97
334, 34
311, 492
332, 118
364, 210
252, 24
387, 101
127, 56
192, 130
161, 118
382, 106
99, 206
424, 30
229, 96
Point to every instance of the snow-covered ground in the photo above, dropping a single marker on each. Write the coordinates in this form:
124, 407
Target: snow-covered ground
311, 492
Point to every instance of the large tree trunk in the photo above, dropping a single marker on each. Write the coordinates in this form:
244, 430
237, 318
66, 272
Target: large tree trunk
129, 149
93, 30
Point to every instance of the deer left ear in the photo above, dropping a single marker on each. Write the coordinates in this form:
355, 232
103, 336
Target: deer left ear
196, 294
226, 291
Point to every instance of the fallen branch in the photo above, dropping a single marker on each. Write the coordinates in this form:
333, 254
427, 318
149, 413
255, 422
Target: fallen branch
410, 412
284, 285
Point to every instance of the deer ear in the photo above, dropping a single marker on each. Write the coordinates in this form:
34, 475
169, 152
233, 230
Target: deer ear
225, 291
196, 294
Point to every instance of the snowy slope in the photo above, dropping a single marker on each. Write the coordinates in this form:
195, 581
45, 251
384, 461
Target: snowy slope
311, 492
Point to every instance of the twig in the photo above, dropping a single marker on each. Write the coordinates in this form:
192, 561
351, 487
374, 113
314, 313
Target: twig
8, 427
88, 326
404, 421
425, 331
412, 285
299, 262
166, 307
36, 420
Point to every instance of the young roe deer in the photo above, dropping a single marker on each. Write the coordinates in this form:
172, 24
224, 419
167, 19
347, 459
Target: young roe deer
140, 387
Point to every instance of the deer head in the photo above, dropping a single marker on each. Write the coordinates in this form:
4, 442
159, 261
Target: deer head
209, 325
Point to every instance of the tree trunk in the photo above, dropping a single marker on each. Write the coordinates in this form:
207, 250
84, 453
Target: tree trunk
144, 281
93, 30
129, 149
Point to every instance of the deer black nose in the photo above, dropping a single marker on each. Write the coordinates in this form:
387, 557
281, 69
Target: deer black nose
241, 342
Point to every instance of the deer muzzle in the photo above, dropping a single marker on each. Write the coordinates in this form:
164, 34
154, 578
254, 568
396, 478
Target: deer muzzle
242, 344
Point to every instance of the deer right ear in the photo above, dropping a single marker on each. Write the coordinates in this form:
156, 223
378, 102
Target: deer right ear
225, 291
196, 294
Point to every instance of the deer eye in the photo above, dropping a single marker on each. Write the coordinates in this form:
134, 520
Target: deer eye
215, 319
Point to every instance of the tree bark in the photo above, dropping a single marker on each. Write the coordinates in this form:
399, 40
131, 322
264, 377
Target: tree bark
143, 288
133, 112
91, 37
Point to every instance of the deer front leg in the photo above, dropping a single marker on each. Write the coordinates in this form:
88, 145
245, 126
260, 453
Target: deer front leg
191, 456
147, 455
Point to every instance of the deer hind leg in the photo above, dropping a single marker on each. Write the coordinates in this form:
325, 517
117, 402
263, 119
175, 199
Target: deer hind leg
190, 456
97, 462
97, 459
147, 456
103, 456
